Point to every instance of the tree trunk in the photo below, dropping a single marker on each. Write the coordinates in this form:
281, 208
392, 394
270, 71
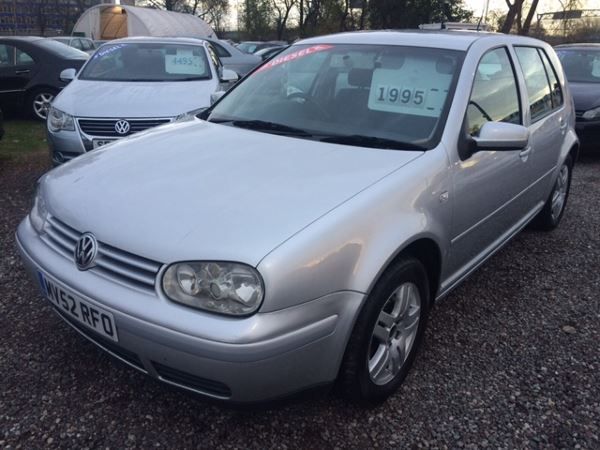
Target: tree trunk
529, 18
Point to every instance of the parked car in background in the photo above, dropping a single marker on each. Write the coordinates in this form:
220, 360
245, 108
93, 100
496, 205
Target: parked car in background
299, 231
80, 43
252, 47
269, 52
234, 59
130, 85
30, 70
581, 63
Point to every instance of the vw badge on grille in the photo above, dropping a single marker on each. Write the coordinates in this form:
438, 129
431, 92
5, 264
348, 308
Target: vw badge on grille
86, 251
122, 127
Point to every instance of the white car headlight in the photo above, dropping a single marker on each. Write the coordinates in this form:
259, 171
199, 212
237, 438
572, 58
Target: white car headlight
58, 120
221, 287
592, 113
39, 212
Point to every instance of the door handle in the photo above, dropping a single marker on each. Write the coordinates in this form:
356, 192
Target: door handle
524, 154
562, 123
22, 72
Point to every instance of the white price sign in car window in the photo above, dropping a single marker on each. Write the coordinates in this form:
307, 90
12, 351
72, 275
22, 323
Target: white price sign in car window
184, 62
416, 88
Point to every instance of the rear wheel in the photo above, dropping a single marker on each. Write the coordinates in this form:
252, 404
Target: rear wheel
554, 208
39, 102
387, 334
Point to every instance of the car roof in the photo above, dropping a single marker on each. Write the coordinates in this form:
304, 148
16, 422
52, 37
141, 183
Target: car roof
22, 38
580, 45
161, 40
446, 39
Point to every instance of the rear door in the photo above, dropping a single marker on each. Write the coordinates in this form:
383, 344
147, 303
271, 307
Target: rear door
11, 84
547, 116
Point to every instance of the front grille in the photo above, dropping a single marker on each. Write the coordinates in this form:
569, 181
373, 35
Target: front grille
112, 263
106, 127
184, 379
107, 345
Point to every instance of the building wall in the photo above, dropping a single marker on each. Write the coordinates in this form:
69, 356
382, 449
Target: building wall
43, 17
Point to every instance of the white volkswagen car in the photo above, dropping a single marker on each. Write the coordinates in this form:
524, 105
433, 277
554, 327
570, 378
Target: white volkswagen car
130, 85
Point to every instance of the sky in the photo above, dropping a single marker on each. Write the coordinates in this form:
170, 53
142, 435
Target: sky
544, 5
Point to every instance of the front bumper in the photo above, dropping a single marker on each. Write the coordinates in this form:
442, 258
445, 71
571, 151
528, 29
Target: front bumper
257, 358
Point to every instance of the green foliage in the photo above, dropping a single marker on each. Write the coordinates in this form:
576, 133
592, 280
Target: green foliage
256, 19
399, 14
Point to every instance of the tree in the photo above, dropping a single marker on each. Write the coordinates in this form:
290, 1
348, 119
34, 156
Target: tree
385, 14
514, 17
282, 9
255, 18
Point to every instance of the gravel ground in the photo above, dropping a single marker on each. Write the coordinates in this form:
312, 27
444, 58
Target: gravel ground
511, 359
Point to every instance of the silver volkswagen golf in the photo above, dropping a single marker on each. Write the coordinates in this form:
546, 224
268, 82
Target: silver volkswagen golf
299, 230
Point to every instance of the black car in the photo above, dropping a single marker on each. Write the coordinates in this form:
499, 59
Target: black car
1, 125
30, 70
581, 63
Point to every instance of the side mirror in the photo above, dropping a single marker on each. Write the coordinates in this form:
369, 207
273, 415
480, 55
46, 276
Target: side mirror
67, 75
216, 96
501, 136
228, 75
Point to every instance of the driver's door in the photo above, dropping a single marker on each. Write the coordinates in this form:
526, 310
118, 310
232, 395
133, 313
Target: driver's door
490, 187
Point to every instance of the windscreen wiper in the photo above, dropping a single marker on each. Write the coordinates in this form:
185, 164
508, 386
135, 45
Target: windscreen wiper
370, 141
262, 125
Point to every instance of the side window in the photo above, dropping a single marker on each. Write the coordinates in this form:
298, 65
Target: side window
23, 58
538, 89
76, 43
221, 52
557, 96
7, 55
495, 96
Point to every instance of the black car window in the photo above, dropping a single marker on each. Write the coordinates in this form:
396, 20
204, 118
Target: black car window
557, 96
87, 44
580, 65
221, 52
23, 58
61, 50
494, 96
536, 81
7, 55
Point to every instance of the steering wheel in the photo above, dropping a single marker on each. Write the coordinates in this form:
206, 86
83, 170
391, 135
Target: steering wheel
303, 96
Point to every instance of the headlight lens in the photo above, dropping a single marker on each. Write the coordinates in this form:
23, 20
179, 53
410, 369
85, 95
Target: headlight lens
591, 113
38, 213
58, 120
221, 287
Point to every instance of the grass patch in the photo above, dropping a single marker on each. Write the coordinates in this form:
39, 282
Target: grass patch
21, 138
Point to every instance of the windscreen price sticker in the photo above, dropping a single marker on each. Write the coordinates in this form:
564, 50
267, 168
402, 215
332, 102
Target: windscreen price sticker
392, 95
184, 62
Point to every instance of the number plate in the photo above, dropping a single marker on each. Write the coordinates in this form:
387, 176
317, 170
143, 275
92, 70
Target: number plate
93, 317
100, 142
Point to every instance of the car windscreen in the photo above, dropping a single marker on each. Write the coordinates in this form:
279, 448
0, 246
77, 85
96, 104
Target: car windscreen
148, 62
247, 47
367, 95
581, 66
62, 49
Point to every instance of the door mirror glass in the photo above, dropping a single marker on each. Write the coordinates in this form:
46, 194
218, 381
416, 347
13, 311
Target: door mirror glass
68, 75
502, 136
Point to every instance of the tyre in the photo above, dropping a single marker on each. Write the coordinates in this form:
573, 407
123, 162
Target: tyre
387, 334
38, 102
554, 208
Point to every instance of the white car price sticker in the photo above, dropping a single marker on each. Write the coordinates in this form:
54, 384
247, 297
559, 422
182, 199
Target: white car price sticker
415, 88
184, 62
78, 309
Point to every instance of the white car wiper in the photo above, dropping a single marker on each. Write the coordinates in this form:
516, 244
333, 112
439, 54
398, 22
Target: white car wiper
371, 141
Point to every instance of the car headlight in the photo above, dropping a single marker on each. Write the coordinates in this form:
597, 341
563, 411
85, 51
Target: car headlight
58, 120
39, 212
591, 113
221, 287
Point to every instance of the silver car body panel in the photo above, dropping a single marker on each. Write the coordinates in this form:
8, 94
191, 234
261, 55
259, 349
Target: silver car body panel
319, 221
